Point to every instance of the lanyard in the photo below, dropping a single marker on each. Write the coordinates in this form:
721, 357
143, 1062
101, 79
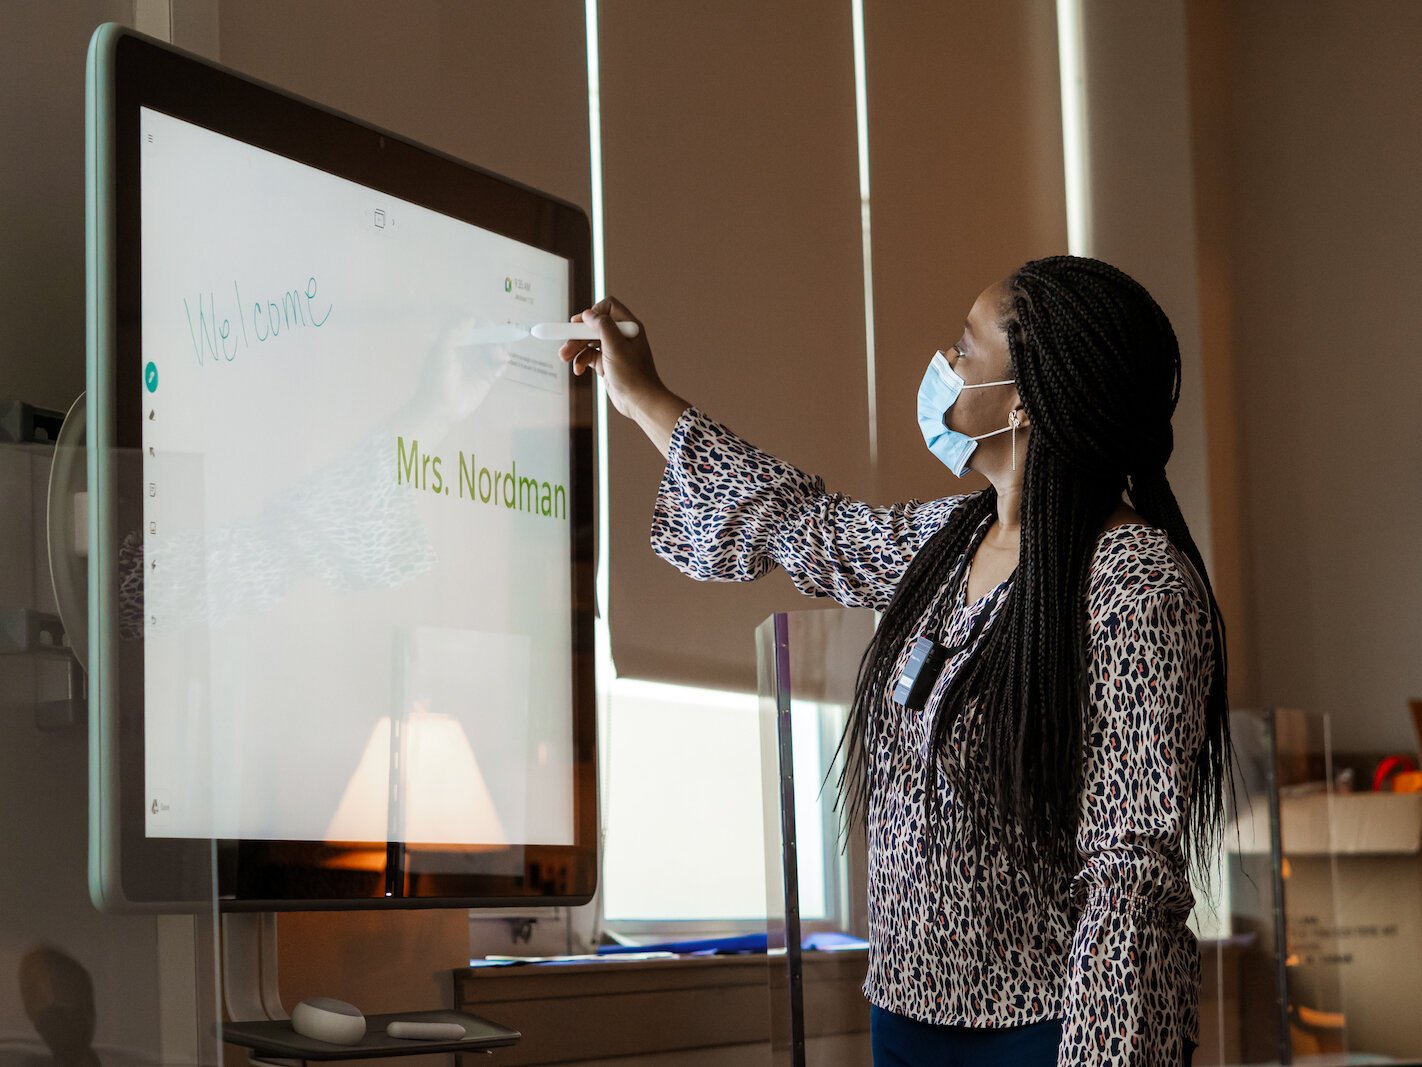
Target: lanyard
931, 628
928, 655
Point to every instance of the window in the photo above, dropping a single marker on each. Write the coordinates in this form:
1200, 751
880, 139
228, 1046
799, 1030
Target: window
684, 816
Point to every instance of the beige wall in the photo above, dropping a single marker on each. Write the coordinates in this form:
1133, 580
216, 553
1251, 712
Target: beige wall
1211, 104
500, 85
1142, 212
1310, 229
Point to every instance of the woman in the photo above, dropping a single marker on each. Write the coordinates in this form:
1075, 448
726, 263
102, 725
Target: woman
1039, 734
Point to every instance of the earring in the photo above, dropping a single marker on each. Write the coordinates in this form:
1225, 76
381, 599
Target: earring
1012, 418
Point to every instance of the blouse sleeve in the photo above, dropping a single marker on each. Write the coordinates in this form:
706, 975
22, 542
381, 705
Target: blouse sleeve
1133, 974
727, 511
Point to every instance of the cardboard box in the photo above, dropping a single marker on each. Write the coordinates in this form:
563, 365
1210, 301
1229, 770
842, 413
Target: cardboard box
1353, 907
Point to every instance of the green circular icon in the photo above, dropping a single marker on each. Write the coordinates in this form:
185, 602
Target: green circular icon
150, 376
508, 285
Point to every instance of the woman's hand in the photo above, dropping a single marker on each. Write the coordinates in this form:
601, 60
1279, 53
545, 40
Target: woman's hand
623, 363
626, 368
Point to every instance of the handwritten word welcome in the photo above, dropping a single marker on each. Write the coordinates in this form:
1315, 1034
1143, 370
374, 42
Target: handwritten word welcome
214, 336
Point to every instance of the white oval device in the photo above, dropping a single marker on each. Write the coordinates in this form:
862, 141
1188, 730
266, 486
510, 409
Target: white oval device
578, 331
328, 1019
427, 1031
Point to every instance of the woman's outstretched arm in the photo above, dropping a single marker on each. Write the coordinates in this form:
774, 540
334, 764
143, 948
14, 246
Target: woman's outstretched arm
728, 511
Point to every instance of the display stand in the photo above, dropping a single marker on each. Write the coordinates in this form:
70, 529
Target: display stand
274, 1041
250, 994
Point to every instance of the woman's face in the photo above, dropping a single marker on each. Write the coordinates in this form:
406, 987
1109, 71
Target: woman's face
980, 355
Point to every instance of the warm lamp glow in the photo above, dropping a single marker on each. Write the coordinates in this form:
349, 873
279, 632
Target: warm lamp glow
418, 781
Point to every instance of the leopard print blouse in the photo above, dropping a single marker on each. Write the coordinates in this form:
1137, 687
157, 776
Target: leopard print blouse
954, 937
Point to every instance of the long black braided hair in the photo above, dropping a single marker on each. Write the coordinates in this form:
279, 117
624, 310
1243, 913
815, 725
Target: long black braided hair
1097, 366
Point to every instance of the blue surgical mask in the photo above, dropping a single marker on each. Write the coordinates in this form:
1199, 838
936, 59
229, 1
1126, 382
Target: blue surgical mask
940, 388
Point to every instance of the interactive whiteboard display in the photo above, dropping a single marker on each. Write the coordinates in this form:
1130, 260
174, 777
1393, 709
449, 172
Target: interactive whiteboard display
355, 537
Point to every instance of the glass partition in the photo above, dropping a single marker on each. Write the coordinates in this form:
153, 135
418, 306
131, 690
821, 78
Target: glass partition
1283, 893
1327, 879
116, 986
815, 881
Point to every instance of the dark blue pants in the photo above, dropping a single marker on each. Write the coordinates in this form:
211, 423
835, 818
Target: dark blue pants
902, 1042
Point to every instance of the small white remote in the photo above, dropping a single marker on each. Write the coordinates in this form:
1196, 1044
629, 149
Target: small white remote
578, 331
427, 1031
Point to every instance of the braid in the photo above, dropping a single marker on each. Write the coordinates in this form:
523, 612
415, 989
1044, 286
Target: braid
1098, 367
1151, 495
916, 589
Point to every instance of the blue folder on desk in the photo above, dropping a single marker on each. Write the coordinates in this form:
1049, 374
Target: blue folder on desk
827, 941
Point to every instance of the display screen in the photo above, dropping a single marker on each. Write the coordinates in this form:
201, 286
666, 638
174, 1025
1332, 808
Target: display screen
357, 603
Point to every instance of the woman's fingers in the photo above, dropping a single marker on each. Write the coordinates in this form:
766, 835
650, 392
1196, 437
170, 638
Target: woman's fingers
584, 354
577, 352
589, 357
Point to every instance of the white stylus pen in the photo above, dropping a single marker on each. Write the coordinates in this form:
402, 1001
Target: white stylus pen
510, 333
578, 331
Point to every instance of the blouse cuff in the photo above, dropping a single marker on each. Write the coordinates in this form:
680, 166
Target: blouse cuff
1131, 998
